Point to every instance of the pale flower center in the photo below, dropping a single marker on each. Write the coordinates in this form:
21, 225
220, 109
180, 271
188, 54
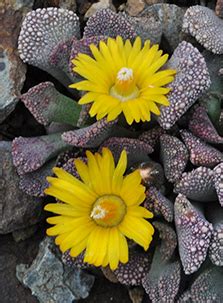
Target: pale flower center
108, 211
98, 212
125, 87
125, 74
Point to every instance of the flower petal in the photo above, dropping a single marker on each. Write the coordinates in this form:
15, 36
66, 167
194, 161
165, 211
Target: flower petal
138, 230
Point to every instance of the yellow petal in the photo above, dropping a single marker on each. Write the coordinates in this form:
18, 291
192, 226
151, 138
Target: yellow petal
107, 168
119, 172
94, 173
127, 112
113, 248
82, 170
138, 230
97, 246
87, 98
66, 210
123, 249
79, 190
78, 234
139, 211
135, 50
101, 237
78, 248
132, 180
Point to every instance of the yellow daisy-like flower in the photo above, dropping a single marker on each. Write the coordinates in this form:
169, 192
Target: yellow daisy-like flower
99, 212
122, 77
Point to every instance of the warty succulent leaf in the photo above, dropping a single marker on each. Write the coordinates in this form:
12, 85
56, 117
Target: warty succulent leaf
42, 31
159, 204
174, 156
201, 126
48, 105
202, 23
191, 81
29, 154
201, 154
193, 232
163, 280
197, 185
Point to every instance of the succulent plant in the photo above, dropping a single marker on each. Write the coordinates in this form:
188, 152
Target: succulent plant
179, 168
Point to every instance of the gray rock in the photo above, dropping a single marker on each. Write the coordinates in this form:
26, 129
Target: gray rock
17, 210
157, 20
50, 280
12, 70
21, 4
171, 17
147, 25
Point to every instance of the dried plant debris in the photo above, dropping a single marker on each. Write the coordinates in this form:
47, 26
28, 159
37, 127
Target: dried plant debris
151, 173
202, 23
158, 204
191, 81
201, 154
218, 182
34, 183
197, 185
168, 240
90, 136
109, 274
29, 154
174, 156
151, 2
215, 215
133, 272
48, 105
194, 234
208, 286
12, 70
134, 7
201, 126
107, 23
136, 294
18, 210
219, 8
42, 31
136, 150
163, 280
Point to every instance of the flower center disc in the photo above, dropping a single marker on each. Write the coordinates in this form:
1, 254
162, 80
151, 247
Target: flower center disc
108, 210
125, 87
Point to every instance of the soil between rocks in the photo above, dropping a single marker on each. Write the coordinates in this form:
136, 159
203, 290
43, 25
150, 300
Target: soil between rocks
12, 291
